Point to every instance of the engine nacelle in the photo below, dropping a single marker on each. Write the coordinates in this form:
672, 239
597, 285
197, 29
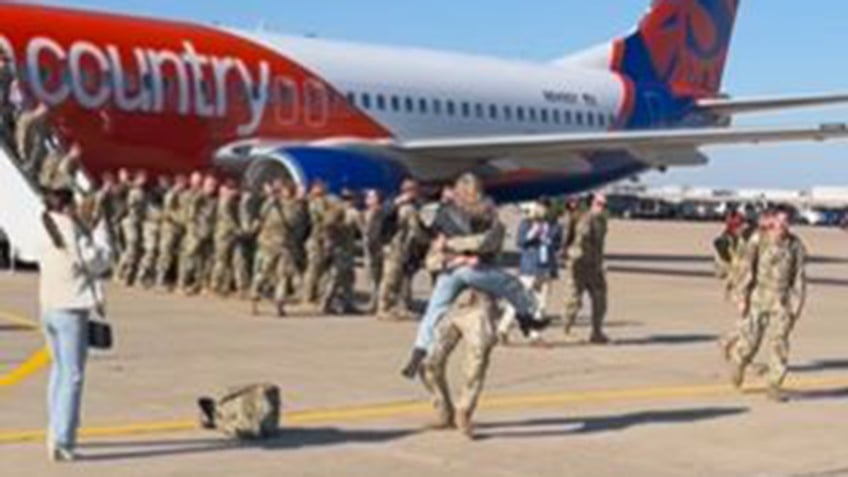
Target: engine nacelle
338, 168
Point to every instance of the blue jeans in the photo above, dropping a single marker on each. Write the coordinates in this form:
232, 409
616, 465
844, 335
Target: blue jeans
67, 337
487, 279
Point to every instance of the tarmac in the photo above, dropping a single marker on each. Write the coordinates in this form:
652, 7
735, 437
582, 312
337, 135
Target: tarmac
656, 402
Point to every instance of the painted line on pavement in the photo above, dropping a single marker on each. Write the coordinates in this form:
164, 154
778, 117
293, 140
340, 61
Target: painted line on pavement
33, 363
411, 409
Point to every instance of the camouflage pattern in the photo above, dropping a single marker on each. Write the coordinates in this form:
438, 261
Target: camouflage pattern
298, 215
472, 319
245, 249
249, 412
337, 293
391, 303
131, 226
151, 232
171, 235
372, 246
198, 243
30, 136
274, 263
227, 231
584, 269
773, 287
317, 252
49, 169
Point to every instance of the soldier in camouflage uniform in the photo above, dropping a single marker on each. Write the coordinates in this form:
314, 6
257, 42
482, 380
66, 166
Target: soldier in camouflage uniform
274, 261
471, 318
243, 256
337, 294
584, 268
773, 293
227, 232
297, 212
151, 236
171, 232
372, 244
30, 135
131, 226
317, 255
200, 208
408, 230
119, 207
67, 169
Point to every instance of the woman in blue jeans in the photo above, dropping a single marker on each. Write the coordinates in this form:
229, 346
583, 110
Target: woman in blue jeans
69, 292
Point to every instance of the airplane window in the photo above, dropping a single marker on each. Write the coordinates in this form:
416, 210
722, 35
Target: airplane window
381, 102
479, 110
395, 104
566, 116
507, 112
410, 104
590, 119
422, 106
556, 116
519, 113
578, 118
451, 108
351, 98
493, 111
531, 114
544, 115
366, 100
437, 106
602, 120
466, 110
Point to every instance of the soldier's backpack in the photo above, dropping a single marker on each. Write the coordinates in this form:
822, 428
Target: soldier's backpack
247, 412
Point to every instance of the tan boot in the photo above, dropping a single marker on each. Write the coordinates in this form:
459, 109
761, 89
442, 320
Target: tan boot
464, 424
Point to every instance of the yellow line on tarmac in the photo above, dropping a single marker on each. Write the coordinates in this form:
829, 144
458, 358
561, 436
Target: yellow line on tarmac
31, 366
408, 409
34, 363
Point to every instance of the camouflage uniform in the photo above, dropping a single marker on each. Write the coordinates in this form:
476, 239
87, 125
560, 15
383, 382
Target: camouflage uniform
274, 263
472, 318
170, 235
66, 172
151, 232
131, 230
298, 213
226, 237
337, 293
372, 245
198, 243
584, 270
773, 287
30, 136
243, 256
410, 230
119, 211
49, 169
317, 254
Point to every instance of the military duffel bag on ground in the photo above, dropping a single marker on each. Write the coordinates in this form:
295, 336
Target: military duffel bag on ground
247, 412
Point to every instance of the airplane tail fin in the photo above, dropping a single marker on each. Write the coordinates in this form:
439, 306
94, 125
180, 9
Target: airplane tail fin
680, 43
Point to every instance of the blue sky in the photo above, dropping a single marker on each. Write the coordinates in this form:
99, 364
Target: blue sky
780, 47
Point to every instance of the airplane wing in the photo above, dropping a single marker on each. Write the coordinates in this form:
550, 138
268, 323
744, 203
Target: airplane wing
649, 142
731, 106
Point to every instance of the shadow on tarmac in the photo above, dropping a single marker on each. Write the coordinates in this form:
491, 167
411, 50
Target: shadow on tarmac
288, 439
820, 365
536, 428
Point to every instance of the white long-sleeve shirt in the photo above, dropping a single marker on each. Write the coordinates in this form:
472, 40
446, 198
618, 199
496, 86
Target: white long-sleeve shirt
69, 276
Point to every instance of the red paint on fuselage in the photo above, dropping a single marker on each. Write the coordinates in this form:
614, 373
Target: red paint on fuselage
170, 139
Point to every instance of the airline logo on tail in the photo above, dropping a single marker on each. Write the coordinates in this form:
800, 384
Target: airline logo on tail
680, 43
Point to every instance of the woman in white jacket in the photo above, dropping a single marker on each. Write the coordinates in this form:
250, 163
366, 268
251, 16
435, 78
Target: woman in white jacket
70, 291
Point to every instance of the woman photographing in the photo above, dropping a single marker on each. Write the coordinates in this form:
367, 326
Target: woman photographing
72, 263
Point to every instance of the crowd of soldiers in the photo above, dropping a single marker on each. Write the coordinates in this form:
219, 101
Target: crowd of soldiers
195, 234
